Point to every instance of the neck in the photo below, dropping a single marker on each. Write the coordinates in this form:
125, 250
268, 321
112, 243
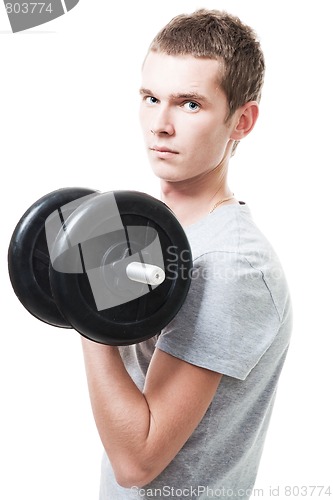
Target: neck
193, 199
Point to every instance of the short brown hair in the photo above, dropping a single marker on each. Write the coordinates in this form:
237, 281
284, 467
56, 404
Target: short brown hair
218, 35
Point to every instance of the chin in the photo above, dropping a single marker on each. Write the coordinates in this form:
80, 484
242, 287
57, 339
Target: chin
168, 172
163, 172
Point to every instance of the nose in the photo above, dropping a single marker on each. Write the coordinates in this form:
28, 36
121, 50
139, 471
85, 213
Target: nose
163, 122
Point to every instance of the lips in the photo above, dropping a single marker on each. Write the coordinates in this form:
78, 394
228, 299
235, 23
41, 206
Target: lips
162, 149
163, 153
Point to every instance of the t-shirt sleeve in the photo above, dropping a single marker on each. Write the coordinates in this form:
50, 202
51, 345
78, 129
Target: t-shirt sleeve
228, 319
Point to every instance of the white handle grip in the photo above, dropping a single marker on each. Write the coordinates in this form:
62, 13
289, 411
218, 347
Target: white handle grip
145, 273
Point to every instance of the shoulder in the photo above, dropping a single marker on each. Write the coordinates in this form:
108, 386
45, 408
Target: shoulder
230, 229
229, 238
230, 253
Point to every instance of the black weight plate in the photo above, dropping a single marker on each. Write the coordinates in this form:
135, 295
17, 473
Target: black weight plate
142, 317
29, 260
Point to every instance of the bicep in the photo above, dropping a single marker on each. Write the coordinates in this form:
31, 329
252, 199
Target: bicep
178, 395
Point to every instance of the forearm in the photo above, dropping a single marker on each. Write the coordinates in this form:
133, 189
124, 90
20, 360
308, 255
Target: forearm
121, 411
142, 432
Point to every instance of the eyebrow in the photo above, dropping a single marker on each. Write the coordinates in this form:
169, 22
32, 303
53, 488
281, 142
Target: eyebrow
181, 95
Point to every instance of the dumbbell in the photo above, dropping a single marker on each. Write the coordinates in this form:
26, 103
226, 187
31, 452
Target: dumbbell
114, 266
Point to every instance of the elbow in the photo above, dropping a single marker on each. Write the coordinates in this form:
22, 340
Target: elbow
132, 479
127, 481
133, 475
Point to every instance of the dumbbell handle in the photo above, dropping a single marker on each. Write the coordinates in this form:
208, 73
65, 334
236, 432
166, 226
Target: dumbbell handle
145, 273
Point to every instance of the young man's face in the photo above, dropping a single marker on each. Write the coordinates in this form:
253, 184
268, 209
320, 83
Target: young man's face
184, 106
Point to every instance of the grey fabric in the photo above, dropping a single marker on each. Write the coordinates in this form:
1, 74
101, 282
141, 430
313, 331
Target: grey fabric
236, 320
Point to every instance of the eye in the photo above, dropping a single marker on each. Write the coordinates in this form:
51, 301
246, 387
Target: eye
191, 106
150, 100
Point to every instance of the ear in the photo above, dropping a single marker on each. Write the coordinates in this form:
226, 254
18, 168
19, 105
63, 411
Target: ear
244, 120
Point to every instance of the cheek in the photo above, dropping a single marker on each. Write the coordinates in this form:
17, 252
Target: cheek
141, 116
208, 145
144, 123
207, 136
144, 113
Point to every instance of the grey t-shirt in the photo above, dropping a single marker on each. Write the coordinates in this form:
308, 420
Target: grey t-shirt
236, 320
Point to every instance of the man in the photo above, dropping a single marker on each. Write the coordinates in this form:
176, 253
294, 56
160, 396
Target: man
186, 413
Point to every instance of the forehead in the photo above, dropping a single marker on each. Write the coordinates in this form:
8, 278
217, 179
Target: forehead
166, 74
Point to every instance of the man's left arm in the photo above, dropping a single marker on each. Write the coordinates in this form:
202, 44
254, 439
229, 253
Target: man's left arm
143, 431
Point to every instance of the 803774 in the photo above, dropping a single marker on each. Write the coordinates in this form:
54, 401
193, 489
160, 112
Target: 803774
29, 8
307, 491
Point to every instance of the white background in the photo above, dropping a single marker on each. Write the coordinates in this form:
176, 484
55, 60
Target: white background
68, 117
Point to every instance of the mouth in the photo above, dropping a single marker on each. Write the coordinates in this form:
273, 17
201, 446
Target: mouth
163, 152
